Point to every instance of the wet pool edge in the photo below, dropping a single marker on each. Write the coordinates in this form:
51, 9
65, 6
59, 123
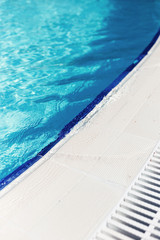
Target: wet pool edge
67, 129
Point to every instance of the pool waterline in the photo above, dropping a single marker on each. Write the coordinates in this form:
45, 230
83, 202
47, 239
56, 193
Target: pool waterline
56, 57
9, 178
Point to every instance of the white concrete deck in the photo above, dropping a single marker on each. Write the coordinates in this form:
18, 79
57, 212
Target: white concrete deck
69, 195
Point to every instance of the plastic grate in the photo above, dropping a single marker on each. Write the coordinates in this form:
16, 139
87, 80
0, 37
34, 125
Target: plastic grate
137, 215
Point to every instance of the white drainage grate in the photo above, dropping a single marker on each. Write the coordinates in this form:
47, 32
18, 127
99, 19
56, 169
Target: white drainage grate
137, 216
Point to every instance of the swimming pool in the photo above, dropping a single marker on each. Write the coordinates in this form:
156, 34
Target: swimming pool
56, 56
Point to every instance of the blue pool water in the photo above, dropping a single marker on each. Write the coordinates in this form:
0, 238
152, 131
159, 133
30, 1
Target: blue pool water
55, 57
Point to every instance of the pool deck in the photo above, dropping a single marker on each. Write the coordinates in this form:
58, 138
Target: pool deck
68, 193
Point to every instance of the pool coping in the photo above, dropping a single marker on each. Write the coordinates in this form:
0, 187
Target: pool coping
67, 129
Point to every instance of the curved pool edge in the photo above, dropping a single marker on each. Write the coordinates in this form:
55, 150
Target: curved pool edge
70, 195
67, 129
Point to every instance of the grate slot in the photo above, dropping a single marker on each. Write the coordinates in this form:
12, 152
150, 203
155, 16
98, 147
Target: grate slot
153, 165
147, 186
124, 230
151, 181
152, 177
133, 217
146, 192
155, 161
137, 210
151, 170
141, 205
145, 200
130, 223
155, 236
150, 238
125, 224
157, 228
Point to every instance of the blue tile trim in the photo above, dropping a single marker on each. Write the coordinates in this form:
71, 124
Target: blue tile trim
5, 181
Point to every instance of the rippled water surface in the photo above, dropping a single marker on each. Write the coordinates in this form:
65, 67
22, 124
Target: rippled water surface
55, 57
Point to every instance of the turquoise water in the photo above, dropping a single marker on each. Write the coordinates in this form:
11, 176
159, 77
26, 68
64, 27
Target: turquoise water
55, 57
